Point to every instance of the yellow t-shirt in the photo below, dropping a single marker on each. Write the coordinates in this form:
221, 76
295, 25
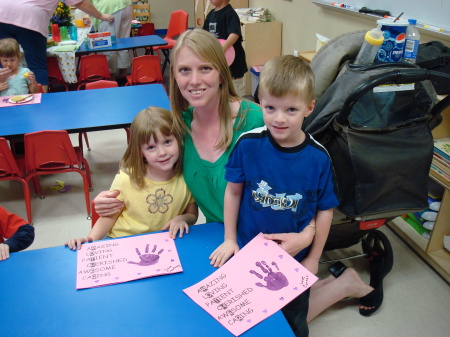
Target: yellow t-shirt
149, 209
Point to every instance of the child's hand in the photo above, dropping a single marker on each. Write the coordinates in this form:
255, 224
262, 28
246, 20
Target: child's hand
293, 243
4, 86
4, 251
4, 74
222, 253
31, 77
176, 225
75, 244
311, 264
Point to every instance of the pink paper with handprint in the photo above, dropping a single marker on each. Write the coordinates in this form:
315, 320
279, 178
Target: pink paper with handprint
116, 261
257, 282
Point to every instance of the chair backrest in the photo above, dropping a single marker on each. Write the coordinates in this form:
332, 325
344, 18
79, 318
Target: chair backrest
146, 69
54, 73
178, 23
141, 12
49, 150
8, 165
94, 216
93, 67
146, 29
101, 84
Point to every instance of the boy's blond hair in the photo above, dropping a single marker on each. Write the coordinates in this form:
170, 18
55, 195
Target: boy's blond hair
146, 125
10, 48
287, 74
208, 48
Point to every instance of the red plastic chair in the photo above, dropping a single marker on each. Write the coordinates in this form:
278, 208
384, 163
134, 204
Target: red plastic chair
50, 152
146, 29
178, 24
95, 215
93, 68
55, 77
41, 90
102, 84
10, 169
145, 69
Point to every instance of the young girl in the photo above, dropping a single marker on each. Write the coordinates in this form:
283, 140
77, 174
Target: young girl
150, 182
21, 80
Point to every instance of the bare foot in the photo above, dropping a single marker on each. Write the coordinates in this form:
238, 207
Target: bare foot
355, 286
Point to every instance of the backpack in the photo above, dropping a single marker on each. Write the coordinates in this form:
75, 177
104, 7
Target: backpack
435, 55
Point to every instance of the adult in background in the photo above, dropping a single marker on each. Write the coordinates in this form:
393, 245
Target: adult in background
121, 10
27, 21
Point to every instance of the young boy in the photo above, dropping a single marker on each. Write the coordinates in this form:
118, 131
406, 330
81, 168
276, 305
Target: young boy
280, 178
223, 22
17, 231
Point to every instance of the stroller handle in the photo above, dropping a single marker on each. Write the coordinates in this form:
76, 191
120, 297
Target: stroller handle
399, 76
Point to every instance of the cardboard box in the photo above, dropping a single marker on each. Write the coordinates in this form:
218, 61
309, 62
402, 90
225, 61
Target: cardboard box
99, 40
203, 7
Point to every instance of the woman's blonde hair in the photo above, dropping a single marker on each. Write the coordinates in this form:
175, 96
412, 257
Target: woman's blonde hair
287, 74
10, 48
146, 125
209, 49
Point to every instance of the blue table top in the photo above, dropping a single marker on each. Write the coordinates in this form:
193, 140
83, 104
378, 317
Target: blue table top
127, 43
83, 110
39, 298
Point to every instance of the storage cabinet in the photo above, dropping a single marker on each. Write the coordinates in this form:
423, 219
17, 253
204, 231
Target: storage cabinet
261, 42
432, 250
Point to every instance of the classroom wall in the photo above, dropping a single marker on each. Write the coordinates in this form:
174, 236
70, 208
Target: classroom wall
302, 20
161, 10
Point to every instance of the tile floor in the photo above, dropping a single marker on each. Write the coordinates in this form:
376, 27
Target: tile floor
417, 299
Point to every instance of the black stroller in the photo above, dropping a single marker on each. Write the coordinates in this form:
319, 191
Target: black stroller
376, 123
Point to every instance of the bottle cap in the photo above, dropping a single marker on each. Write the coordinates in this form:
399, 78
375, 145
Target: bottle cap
412, 21
374, 37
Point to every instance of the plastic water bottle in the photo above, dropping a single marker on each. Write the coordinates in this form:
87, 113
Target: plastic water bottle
112, 30
412, 42
372, 41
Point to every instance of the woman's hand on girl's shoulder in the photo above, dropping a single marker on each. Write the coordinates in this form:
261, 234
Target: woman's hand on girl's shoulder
107, 204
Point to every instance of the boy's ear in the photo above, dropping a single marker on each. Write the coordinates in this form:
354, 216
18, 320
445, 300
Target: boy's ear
310, 108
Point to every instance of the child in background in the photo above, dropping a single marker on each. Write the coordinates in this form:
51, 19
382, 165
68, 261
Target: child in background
223, 22
280, 178
150, 182
17, 231
21, 81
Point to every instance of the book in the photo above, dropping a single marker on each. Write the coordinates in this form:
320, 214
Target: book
441, 165
442, 148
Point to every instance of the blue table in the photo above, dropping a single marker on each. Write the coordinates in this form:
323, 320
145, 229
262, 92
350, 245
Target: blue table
84, 110
126, 43
38, 297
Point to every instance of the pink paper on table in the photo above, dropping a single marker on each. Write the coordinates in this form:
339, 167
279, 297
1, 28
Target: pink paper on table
257, 282
4, 101
116, 261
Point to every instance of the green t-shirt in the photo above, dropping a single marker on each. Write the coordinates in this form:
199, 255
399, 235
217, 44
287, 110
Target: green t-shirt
206, 180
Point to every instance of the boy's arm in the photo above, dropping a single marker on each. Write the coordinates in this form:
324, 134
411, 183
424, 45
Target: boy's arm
22, 239
323, 224
232, 38
232, 200
100, 229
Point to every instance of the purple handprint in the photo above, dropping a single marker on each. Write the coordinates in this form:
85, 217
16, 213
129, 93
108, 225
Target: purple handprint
274, 280
147, 259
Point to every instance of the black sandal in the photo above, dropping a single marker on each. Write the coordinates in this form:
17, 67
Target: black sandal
337, 268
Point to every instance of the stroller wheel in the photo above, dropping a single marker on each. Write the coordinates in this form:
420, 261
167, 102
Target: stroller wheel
377, 243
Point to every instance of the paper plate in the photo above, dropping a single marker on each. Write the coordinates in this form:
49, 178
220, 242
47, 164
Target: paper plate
229, 53
29, 98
